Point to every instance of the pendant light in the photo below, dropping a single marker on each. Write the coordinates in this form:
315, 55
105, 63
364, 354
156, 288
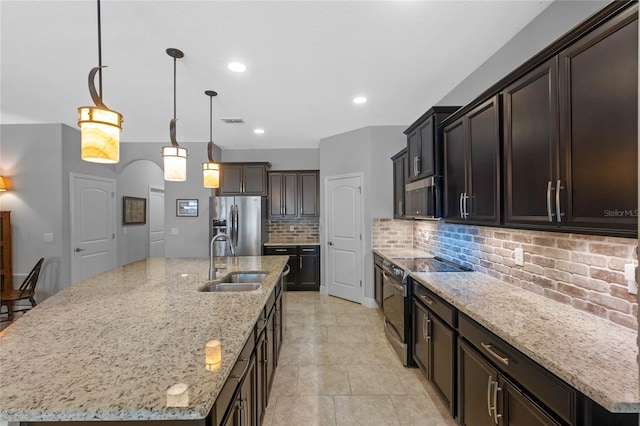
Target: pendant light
175, 157
3, 186
99, 126
210, 169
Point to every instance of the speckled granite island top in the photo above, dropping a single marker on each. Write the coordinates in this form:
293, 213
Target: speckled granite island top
109, 347
594, 355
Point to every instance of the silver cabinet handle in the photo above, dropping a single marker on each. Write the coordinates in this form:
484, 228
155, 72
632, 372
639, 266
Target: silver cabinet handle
558, 212
402, 208
489, 348
496, 389
428, 327
465, 197
549, 214
427, 300
280, 250
308, 249
461, 210
300, 262
417, 165
489, 383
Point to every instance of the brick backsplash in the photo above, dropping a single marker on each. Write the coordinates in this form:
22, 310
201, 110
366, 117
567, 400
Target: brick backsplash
303, 229
583, 271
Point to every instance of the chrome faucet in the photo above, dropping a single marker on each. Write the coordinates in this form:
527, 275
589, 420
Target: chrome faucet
212, 269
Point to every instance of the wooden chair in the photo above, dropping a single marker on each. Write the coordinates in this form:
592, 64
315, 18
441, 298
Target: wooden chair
26, 291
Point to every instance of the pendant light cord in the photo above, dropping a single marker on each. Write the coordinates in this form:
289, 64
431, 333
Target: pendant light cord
210, 144
99, 51
174, 88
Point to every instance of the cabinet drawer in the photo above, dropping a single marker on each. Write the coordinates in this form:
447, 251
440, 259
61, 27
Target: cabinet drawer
235, 377
281, 250
538, 382
308, 249
435, 304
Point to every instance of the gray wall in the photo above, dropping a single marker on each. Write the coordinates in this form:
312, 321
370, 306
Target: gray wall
280, 159
367, 151
547, 27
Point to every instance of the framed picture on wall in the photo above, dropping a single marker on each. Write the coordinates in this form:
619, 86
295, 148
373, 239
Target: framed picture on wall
134, 211
187, 208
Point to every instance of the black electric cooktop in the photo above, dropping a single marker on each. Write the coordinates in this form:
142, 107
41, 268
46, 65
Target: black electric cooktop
429, 264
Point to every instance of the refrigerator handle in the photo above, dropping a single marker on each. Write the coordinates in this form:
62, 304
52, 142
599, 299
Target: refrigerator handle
231, 225
237, 227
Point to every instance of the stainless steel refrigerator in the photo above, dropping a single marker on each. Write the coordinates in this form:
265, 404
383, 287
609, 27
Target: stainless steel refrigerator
244, 219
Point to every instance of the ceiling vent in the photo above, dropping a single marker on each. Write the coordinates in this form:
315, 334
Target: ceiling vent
232, 120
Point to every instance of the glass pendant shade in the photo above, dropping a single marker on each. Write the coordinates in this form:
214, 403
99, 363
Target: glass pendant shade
3, 186
175, 163
211, 175
100, 134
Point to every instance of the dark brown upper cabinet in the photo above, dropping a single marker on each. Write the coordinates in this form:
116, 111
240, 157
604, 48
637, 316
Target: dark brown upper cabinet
293, 194
531, 153
472, 166
570, 136
598, 79
243, 179
424, 144
399, 181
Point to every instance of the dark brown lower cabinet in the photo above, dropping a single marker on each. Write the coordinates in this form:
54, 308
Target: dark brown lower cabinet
486, 397
242, 411
304, 266
434, 351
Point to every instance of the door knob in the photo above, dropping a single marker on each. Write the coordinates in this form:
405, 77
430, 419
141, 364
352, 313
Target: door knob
79, 249
330, 243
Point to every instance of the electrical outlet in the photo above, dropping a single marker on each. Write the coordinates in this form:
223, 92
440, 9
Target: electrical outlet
48, 237
292, 228
630, 276
174, 231
519, 257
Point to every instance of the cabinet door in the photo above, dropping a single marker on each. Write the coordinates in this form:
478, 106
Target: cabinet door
413, 155
531, 146
476, 381
248, 415
427, 163
420, 337
270, 347
378, 279
254, 182
441, 373
278, 328
275, 195
231, 179
399, 173
309, 271
261, 376
290, 192
455, 170
518, 410
309, 194
598, 127
483, 150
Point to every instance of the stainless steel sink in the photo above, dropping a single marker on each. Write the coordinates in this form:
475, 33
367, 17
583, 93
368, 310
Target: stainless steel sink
244, 277
219, 287
237, 281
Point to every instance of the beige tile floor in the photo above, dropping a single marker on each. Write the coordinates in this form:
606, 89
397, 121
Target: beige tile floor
336, 368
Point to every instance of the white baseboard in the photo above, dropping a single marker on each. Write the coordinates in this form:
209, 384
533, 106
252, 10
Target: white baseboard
324, 290
370, 303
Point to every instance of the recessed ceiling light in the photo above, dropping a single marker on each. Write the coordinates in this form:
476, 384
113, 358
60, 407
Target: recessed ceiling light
359, 100
237, 67
258, 131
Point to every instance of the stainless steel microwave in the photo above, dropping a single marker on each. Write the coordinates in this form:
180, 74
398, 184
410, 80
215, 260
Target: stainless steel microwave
423, 198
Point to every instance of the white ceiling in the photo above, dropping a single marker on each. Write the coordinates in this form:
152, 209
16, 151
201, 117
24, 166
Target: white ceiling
306, 61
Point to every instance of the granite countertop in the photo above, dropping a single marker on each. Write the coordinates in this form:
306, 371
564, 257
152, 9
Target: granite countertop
592, 354
300, 242
109, 347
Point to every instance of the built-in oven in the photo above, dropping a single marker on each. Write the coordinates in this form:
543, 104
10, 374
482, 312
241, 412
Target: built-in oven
396, 299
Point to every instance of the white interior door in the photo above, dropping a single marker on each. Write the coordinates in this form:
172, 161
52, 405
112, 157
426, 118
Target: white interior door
93, 218
343, 199
156, 221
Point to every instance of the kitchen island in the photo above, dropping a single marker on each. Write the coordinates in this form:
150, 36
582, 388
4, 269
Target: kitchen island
108, 348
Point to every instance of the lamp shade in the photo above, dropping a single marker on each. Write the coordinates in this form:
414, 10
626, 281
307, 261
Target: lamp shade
175, 163
211, 175
213, 354
3, 186
100, 134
